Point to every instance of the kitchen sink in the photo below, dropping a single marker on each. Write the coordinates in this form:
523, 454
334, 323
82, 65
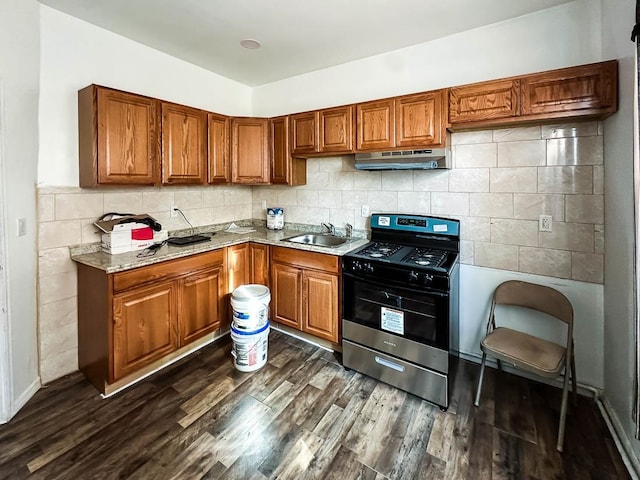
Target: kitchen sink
318, 239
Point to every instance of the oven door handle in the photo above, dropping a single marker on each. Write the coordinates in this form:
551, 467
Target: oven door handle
392, 365
384, 286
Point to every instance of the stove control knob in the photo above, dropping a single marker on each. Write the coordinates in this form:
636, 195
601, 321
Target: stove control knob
413, 276
368, 268
355, 266
428, 279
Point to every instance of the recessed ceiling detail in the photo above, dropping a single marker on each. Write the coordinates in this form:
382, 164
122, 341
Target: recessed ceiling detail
250, 43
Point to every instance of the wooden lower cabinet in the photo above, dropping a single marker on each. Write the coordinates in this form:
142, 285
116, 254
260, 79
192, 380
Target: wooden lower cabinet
202, 304
144, 327
132, 321
320, 314
246, 263
305, 291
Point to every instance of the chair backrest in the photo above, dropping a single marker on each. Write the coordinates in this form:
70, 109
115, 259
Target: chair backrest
537, 297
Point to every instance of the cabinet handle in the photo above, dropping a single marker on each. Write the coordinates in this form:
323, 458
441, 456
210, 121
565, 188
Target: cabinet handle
386, 363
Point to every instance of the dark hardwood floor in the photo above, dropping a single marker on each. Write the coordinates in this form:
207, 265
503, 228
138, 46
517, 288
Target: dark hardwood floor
301, 416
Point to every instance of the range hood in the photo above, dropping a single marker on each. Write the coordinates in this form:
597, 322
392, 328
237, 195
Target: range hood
423, 159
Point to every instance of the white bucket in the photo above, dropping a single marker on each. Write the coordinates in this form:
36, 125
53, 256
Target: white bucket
250, 348
250, 304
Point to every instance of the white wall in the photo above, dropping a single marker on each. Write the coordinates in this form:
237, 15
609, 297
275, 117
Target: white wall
553, 38
75, 54
476, 287
619, 357
19, 59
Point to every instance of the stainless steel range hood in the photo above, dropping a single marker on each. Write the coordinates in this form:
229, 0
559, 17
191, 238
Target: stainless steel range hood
423, 159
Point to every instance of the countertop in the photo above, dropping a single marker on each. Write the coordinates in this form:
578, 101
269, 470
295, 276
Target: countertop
91, 255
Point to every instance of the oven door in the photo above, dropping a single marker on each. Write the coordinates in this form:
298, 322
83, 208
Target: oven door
420, 316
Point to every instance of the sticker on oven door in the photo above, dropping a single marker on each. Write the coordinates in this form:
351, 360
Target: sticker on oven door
392, 320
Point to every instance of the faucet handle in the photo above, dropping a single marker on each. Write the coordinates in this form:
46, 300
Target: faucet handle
329, 227
348, 230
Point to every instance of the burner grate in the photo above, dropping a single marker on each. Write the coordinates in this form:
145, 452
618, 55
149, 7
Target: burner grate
380, 250
425, 257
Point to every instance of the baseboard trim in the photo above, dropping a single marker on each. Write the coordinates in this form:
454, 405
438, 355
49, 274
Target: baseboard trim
22, 400
620, 437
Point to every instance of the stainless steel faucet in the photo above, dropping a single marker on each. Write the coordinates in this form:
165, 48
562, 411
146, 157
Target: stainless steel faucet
348, 228
329, 227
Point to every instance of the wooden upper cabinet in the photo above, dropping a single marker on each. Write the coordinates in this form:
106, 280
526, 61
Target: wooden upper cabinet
336, 130
118, 138
304, 133
571, 91
583, 91
484, 101
285, 169
218, 158
250, 150
184, 145
375, 125
419, 120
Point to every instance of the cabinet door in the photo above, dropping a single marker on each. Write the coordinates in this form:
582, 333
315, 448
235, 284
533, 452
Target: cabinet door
575, 90
336, 130
118, 138
285, 169
376, 125
320, 300
484, 101
184, 145
238, 265
304, 133
259, 263
419, 120
250, 150
144, 327
202, 304
286, 294
218, 158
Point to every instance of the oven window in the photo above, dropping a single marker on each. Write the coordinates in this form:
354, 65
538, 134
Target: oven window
419, 316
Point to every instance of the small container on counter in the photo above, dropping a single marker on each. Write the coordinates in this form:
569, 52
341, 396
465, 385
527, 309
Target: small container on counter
275, 218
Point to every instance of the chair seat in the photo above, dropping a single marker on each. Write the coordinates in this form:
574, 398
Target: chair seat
525, 351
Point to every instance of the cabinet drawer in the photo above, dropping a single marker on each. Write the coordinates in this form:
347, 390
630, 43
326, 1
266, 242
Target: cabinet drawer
302, 258
168, 269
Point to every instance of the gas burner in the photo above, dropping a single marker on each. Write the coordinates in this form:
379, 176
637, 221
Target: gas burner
379, 250
425, 257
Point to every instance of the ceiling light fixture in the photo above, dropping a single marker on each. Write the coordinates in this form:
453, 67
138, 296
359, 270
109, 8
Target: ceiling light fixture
250, 43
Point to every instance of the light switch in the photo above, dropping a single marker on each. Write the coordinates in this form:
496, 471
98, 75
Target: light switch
21, 226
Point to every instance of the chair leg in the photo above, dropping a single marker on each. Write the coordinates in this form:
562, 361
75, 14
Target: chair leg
484, 361
499, 364
573, 381
563, 411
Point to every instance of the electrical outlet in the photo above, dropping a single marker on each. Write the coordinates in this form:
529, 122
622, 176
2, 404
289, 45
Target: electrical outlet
364, 211
545, 223
264, 204
173, 211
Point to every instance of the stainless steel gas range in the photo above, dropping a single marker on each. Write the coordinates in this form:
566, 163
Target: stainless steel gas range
400, 304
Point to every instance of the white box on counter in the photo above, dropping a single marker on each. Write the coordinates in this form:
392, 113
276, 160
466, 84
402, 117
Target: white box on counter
120, 241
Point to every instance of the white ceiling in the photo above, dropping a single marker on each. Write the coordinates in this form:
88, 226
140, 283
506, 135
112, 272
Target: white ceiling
297, 36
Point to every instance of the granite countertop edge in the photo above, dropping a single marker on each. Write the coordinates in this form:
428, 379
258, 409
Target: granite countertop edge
91, 254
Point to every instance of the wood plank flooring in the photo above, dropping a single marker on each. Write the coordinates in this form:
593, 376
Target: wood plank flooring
302, 416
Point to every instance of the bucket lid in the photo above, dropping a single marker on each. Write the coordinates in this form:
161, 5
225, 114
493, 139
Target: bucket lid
249, 292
